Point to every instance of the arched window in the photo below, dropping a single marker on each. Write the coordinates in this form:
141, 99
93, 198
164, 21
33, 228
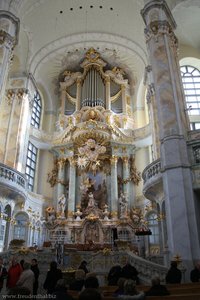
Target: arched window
36, 111
191, 84
20, 228
153, 226
31, 165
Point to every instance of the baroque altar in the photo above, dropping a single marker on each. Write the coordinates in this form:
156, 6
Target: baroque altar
94, 174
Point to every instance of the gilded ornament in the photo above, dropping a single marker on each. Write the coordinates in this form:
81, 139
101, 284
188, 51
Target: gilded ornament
92, 55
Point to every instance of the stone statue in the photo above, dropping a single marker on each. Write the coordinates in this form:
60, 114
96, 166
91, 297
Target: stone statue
123, 205
62, 205
91, 201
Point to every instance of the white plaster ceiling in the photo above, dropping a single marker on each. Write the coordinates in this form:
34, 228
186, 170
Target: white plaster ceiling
55, 34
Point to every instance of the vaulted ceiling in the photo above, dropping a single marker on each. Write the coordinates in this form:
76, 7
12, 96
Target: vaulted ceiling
55, 35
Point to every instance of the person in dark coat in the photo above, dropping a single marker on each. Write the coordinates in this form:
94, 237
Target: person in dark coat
114, 275
36, 271
174, 275
130, 272
53, 275
195, 273
83, 266
157, 289
3, 273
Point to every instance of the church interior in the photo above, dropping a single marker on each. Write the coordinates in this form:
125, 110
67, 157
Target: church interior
100, 131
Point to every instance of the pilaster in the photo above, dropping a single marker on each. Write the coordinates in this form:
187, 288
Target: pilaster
114, 187
172, 122
9, 25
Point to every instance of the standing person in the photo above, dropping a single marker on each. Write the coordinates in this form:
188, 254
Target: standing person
114, 274
26, 278
53, 275
83, 266
174, 274
14, 273
3, 273
36, 271
195, 273
130, 272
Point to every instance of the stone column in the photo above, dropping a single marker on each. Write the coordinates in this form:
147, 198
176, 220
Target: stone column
72, 188
123, 89
63, 97
114, 187
9, 31
126, 176
183, 236
150, 97
78, 94
61, 179
108, 104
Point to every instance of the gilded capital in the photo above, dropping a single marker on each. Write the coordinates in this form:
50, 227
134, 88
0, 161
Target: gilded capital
125, 159
113, 160
61, 162
72, 161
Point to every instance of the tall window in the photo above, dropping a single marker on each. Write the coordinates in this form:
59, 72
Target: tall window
153, 226
36, 111
191, 84
20, 229
31, 165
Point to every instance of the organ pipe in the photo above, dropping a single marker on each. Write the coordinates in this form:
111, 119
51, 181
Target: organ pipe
93, 89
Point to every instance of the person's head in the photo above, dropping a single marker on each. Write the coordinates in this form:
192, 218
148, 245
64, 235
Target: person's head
197, 265
53, 265
61, 284
91, 282
130, 287
155, 281
26, 266
34, 262
14, 261
90, 294
84, 263
80, 274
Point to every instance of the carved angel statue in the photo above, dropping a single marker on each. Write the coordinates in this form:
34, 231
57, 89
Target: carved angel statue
91, 201
123, 205
62, 205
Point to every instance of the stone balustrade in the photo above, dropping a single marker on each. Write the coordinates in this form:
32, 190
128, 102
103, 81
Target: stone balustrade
12, 180
151, 170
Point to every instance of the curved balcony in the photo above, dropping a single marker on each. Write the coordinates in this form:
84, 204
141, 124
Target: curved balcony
194, 156
12, 183
153, 184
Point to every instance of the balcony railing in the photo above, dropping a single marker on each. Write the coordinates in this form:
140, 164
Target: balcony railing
10, 178
151, 170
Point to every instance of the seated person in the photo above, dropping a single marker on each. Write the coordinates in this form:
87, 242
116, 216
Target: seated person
130, 291
114, 274
157, 289
195, 273
79, 280
174, 275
